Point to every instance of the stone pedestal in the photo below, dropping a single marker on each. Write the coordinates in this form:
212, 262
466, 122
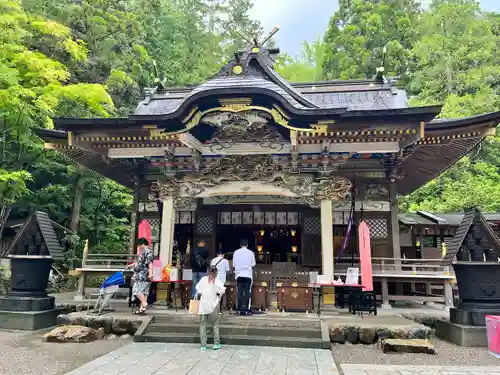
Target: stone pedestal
27, 306
462, 335
479, 290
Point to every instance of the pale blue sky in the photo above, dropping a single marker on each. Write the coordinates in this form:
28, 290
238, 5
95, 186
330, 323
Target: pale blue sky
307, 19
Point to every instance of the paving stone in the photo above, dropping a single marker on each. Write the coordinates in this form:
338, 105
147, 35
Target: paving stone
352, 369
325, 362
187, 359
271, 363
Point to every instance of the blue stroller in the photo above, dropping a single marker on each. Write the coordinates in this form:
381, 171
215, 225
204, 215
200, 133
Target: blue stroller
108, 288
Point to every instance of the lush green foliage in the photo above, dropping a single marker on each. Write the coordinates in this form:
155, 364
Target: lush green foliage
34, 87
446, 54
307, 67
91, 58
456, 63
359, 31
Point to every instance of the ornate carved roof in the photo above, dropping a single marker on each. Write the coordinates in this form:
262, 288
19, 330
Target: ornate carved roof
248, 109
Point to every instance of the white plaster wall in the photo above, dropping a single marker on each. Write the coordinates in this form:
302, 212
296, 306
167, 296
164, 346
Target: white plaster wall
405, 238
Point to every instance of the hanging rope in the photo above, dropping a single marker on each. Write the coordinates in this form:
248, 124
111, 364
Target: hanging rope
349, 223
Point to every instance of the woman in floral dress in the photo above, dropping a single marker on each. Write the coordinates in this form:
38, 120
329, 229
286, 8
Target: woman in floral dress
143, 273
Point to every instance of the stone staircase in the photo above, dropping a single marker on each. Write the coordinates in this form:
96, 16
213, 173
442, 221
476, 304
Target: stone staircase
234, 330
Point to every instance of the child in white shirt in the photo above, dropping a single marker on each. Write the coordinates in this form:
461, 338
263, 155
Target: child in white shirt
211, 289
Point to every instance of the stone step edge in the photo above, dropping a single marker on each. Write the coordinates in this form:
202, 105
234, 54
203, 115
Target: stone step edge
235, 337
295, 322
255, 331
278, 338
234, 326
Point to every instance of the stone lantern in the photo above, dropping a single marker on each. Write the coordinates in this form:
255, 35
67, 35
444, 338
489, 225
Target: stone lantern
477, 270
27, 305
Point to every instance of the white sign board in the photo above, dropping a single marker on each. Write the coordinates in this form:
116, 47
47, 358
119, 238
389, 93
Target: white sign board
352, 277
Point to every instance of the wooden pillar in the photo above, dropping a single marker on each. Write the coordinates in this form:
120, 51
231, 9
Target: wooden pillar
394, 222
166, 232
80, 293
134, 222
327, 239
385, 294
448, 294
414, 242
327, 252
421, 240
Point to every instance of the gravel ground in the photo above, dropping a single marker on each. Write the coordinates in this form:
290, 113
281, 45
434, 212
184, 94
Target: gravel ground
447, 355
24, 353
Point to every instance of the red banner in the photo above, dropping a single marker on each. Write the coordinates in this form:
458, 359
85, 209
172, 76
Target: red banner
365, 257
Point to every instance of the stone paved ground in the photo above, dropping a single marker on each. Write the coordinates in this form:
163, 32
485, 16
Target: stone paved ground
418, 370
186, 359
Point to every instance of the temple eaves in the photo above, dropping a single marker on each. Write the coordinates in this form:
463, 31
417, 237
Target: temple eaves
332, 126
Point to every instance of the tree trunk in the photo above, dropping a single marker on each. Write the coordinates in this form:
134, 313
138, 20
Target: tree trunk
4, 215
77, 200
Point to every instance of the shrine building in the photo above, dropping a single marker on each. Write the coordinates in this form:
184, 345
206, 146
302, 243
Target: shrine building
249, 155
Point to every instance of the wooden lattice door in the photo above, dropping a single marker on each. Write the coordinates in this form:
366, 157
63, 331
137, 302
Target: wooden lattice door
205, 229
311, 238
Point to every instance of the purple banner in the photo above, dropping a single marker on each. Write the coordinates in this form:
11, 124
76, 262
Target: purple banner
348, 232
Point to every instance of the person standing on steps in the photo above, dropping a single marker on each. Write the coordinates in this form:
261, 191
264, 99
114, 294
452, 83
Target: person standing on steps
143, 273
222, 265
210, 289
199, 264
243, 263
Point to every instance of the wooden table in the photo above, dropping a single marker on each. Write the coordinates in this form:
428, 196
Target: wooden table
320, 287
173, 290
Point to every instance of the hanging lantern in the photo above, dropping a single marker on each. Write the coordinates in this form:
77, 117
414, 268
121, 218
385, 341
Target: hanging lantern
294, 249
259, 248
261, 232
293, 232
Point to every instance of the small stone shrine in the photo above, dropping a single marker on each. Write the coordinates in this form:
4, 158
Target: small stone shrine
477, 270
27, 305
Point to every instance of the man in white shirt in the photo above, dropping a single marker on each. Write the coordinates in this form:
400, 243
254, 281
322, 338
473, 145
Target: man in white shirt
243, 263
222, 265
223, 268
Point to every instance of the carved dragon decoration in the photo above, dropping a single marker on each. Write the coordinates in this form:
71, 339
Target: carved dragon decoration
251, 126
254, 168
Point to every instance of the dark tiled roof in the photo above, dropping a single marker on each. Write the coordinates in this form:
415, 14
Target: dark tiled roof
430, 160
359, 100
324, 95
473, 215
37, 237
414, 219
161, 103
452, 219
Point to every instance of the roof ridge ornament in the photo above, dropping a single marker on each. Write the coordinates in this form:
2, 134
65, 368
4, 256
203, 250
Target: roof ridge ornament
253, 42
159, 79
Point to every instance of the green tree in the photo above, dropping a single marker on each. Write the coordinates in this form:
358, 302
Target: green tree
307, 66
236, 26
114, 38
456, 59
456, 63
33, 89
359, 31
